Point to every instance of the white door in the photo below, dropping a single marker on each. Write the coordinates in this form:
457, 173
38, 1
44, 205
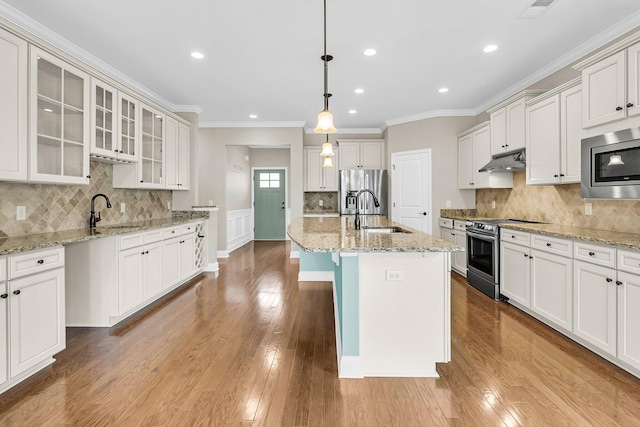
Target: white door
411, 189
552, 288
515, 273
629, 318
151, 277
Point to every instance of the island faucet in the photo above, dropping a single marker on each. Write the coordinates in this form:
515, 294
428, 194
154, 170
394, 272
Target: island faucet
375, 203
93, 220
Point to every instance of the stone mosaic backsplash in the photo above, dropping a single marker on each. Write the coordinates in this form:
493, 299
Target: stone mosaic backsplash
312, 202
558, 204
65, 207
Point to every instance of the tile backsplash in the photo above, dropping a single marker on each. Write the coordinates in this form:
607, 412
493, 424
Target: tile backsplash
558, 204
64, 207
312, 202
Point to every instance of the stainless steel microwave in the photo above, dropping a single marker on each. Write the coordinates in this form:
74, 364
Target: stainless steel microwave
610, 165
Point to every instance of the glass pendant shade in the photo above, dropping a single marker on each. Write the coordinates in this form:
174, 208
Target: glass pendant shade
325, 123
327, 163
615, 159
327, 150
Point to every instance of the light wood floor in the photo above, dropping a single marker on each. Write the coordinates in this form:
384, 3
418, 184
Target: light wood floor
253, 347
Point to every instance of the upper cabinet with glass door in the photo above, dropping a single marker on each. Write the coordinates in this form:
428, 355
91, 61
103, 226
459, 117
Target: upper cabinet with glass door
59, 129
113, 124
150, 166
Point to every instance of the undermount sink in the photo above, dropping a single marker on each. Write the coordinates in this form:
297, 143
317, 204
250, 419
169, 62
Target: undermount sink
116, 227
386, 230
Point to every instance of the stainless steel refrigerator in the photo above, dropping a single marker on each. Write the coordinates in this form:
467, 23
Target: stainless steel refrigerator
352, 181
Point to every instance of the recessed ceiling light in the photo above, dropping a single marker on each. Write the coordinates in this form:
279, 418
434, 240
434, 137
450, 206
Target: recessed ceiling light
359, 90
490, 48
253, 116
370, 52
443, 90
197, 55
352, 111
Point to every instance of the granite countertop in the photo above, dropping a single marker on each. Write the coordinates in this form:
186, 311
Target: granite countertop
330, 234
605, 237
29, 242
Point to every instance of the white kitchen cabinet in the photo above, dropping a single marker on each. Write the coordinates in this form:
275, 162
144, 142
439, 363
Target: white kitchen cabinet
177, 144
474, 151
130, 279
33, 312
595, 305
151, 271
628, 318
515, 273
188, 255
611, 83
149, 171
361, 154
553, 136
552, 287
507, 122
317, 177
4, 325
59, 121
37, 319
460, 258
113, 124
13, 107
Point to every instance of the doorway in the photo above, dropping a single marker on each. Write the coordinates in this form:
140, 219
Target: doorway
269, 203
411, 189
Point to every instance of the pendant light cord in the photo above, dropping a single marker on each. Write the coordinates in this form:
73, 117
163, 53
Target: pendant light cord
324, 58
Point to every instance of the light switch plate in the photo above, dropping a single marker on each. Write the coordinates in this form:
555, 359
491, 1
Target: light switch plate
394, 275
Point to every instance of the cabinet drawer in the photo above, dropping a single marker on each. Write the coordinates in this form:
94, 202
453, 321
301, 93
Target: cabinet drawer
552, 244
513, 236
170, 232
187, 228
445, 222
35, 262
3, 268
460, 225
595, 254
152, 236
130, 241
629, 261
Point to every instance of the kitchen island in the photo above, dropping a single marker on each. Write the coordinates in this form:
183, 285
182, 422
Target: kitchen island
391, 293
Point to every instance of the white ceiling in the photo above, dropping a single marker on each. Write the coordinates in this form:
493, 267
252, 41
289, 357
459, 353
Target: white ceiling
263, 57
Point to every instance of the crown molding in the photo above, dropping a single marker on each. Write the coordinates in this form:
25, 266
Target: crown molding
350, 131
187, 109
252, 124
430, 115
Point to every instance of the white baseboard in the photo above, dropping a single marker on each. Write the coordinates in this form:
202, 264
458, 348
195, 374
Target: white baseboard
294, 254
424, 374
212, 267
223, 254
350, 367
315, 276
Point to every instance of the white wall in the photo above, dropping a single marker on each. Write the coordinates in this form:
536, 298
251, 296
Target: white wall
238, 177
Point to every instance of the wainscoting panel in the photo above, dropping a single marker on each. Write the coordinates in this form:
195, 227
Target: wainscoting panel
239, 228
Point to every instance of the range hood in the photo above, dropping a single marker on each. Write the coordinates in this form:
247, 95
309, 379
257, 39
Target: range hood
506, 162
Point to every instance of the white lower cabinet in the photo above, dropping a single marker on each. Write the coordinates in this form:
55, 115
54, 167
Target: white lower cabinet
515, 273
595, 305
551, 287
629, 318
113, 277
32, 313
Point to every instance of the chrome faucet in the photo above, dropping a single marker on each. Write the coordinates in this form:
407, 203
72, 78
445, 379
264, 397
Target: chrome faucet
93, 220
375, 203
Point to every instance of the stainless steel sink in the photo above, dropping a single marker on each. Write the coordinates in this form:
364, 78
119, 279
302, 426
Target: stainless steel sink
385, 230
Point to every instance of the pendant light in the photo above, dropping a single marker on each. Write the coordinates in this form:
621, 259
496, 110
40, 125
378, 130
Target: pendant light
615, 159
327, 149
325, 118
327, 163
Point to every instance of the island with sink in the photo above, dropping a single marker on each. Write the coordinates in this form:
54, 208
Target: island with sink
391, 287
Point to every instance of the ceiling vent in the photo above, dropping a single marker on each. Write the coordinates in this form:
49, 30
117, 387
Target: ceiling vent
536, 9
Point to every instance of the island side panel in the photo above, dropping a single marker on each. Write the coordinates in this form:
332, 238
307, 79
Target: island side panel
403, 322
347, 290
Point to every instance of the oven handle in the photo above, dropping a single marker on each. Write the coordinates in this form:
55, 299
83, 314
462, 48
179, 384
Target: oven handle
486, 238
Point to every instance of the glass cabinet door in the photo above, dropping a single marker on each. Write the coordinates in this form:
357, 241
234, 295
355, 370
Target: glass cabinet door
152, 137
59, 126
103, 102
128, 127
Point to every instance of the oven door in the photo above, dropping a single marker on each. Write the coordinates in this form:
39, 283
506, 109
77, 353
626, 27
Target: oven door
482, 255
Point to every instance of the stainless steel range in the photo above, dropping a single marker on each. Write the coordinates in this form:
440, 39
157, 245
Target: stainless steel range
483, 255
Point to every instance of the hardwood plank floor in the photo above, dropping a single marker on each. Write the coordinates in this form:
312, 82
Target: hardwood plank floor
254, 347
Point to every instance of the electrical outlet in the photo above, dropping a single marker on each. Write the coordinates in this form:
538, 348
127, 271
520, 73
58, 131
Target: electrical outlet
320, 202
447, 204
588, 209
123, 207
493, 204
21, 213
168, 206
394, 275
